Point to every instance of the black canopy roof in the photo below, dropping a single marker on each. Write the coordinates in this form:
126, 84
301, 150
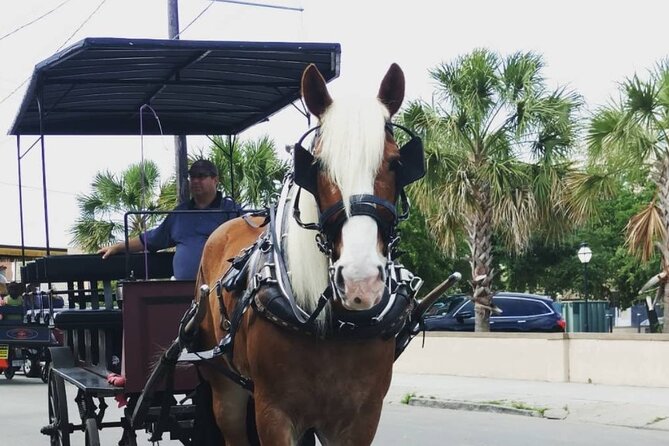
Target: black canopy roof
97, 86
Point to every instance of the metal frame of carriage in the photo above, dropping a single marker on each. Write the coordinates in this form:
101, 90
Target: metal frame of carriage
102, 87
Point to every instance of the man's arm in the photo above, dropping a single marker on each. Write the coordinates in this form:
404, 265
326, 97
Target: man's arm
134, 245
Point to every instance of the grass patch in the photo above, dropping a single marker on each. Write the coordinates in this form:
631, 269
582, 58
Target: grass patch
494, 402
657, 420
516, 405
524, 406
407, 397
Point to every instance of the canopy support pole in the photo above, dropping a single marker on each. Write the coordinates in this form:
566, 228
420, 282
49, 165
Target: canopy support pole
44, 193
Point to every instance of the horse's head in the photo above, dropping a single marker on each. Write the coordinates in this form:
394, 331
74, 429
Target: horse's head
355, 171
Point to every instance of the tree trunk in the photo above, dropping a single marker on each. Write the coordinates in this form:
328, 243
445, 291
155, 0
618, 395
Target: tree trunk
479, 228
663, 203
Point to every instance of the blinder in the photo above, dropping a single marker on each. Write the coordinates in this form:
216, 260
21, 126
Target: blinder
305, 165
412, 159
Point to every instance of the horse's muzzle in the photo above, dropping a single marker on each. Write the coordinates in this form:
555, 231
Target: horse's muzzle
361, 294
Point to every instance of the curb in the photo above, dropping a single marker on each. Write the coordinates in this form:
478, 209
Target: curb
466, 405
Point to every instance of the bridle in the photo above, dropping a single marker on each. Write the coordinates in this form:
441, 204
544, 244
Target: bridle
409, 167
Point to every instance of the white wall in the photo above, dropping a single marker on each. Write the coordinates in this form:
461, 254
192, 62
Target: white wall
602, 358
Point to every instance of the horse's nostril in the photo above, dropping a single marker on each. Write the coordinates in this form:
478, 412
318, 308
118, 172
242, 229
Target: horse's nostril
339, 278
357, 300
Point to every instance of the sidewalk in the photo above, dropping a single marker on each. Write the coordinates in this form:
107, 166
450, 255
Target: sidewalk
639, 407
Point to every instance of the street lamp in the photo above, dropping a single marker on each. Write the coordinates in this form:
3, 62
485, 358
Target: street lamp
584, 256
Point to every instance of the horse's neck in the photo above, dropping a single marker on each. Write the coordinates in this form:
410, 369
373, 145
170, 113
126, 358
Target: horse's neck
307, 265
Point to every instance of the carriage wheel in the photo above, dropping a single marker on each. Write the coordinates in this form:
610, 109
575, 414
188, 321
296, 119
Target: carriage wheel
92, 433
31, 368
58, 419
44, 373
9, 372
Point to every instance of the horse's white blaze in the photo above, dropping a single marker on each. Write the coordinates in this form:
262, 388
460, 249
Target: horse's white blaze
361, 264
351, 150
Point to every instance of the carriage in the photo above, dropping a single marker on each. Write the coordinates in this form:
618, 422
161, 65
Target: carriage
126, 319
25, 335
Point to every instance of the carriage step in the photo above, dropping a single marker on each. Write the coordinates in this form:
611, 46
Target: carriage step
88, 381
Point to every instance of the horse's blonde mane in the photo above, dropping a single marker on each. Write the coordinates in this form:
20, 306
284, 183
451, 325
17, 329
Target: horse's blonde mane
351, 151
352, 141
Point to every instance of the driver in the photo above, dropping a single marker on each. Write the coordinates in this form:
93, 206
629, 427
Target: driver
187, 232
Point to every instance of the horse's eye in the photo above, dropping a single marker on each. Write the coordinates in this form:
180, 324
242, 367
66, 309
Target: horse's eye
395, 164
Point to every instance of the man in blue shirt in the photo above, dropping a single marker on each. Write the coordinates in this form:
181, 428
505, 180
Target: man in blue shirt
188, 232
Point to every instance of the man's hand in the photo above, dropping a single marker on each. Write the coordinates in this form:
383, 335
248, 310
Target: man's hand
110, 250
134, 245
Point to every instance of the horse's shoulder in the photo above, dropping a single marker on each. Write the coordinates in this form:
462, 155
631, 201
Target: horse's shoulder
234, 235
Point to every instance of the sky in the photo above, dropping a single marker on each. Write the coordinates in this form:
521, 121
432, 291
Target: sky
588, 46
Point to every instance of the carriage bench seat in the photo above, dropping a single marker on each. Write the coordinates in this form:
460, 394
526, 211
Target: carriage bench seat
88, 319
91, 380
15, 312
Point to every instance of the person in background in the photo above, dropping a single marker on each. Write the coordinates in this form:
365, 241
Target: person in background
187, 232
14, 299
3, 274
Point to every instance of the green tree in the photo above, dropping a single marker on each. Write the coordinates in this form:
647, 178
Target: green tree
256, 168
497, 145
100, 221
427, 259
630, 135
613, 273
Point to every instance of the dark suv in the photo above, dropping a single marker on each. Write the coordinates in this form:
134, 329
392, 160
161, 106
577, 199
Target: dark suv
520, 312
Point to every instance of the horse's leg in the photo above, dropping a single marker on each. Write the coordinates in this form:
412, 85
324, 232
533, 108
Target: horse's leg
229, 404
358, 429
274, 426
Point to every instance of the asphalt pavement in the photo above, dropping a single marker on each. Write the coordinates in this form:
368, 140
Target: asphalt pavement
628, 406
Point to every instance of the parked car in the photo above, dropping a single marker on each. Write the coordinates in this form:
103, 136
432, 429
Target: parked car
519, 312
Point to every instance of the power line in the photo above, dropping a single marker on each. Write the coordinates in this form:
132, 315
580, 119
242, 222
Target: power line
82, 25
37, 188
34, 20
59, 48
261, 5
193, 21
15, 90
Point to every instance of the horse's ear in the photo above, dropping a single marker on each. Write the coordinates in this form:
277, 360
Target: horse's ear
314, 91
391, 92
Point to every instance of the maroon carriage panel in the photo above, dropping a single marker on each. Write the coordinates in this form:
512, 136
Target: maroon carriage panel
151, 314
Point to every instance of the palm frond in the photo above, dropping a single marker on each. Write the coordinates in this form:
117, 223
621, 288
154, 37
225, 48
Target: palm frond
583, 190
643, 230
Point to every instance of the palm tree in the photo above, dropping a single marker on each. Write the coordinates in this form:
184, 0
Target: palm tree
630, 136
100, 221
256, 168
497, 143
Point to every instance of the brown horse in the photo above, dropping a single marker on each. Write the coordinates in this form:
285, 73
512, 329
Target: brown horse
332, 385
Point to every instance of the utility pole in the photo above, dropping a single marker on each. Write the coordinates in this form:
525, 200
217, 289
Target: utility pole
180, 147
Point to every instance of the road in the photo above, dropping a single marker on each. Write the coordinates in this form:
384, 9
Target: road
23, 412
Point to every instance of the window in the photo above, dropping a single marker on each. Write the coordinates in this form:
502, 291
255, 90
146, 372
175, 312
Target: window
520, 307
468, 306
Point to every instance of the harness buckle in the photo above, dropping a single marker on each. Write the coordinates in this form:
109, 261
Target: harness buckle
265, 246
323, 244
